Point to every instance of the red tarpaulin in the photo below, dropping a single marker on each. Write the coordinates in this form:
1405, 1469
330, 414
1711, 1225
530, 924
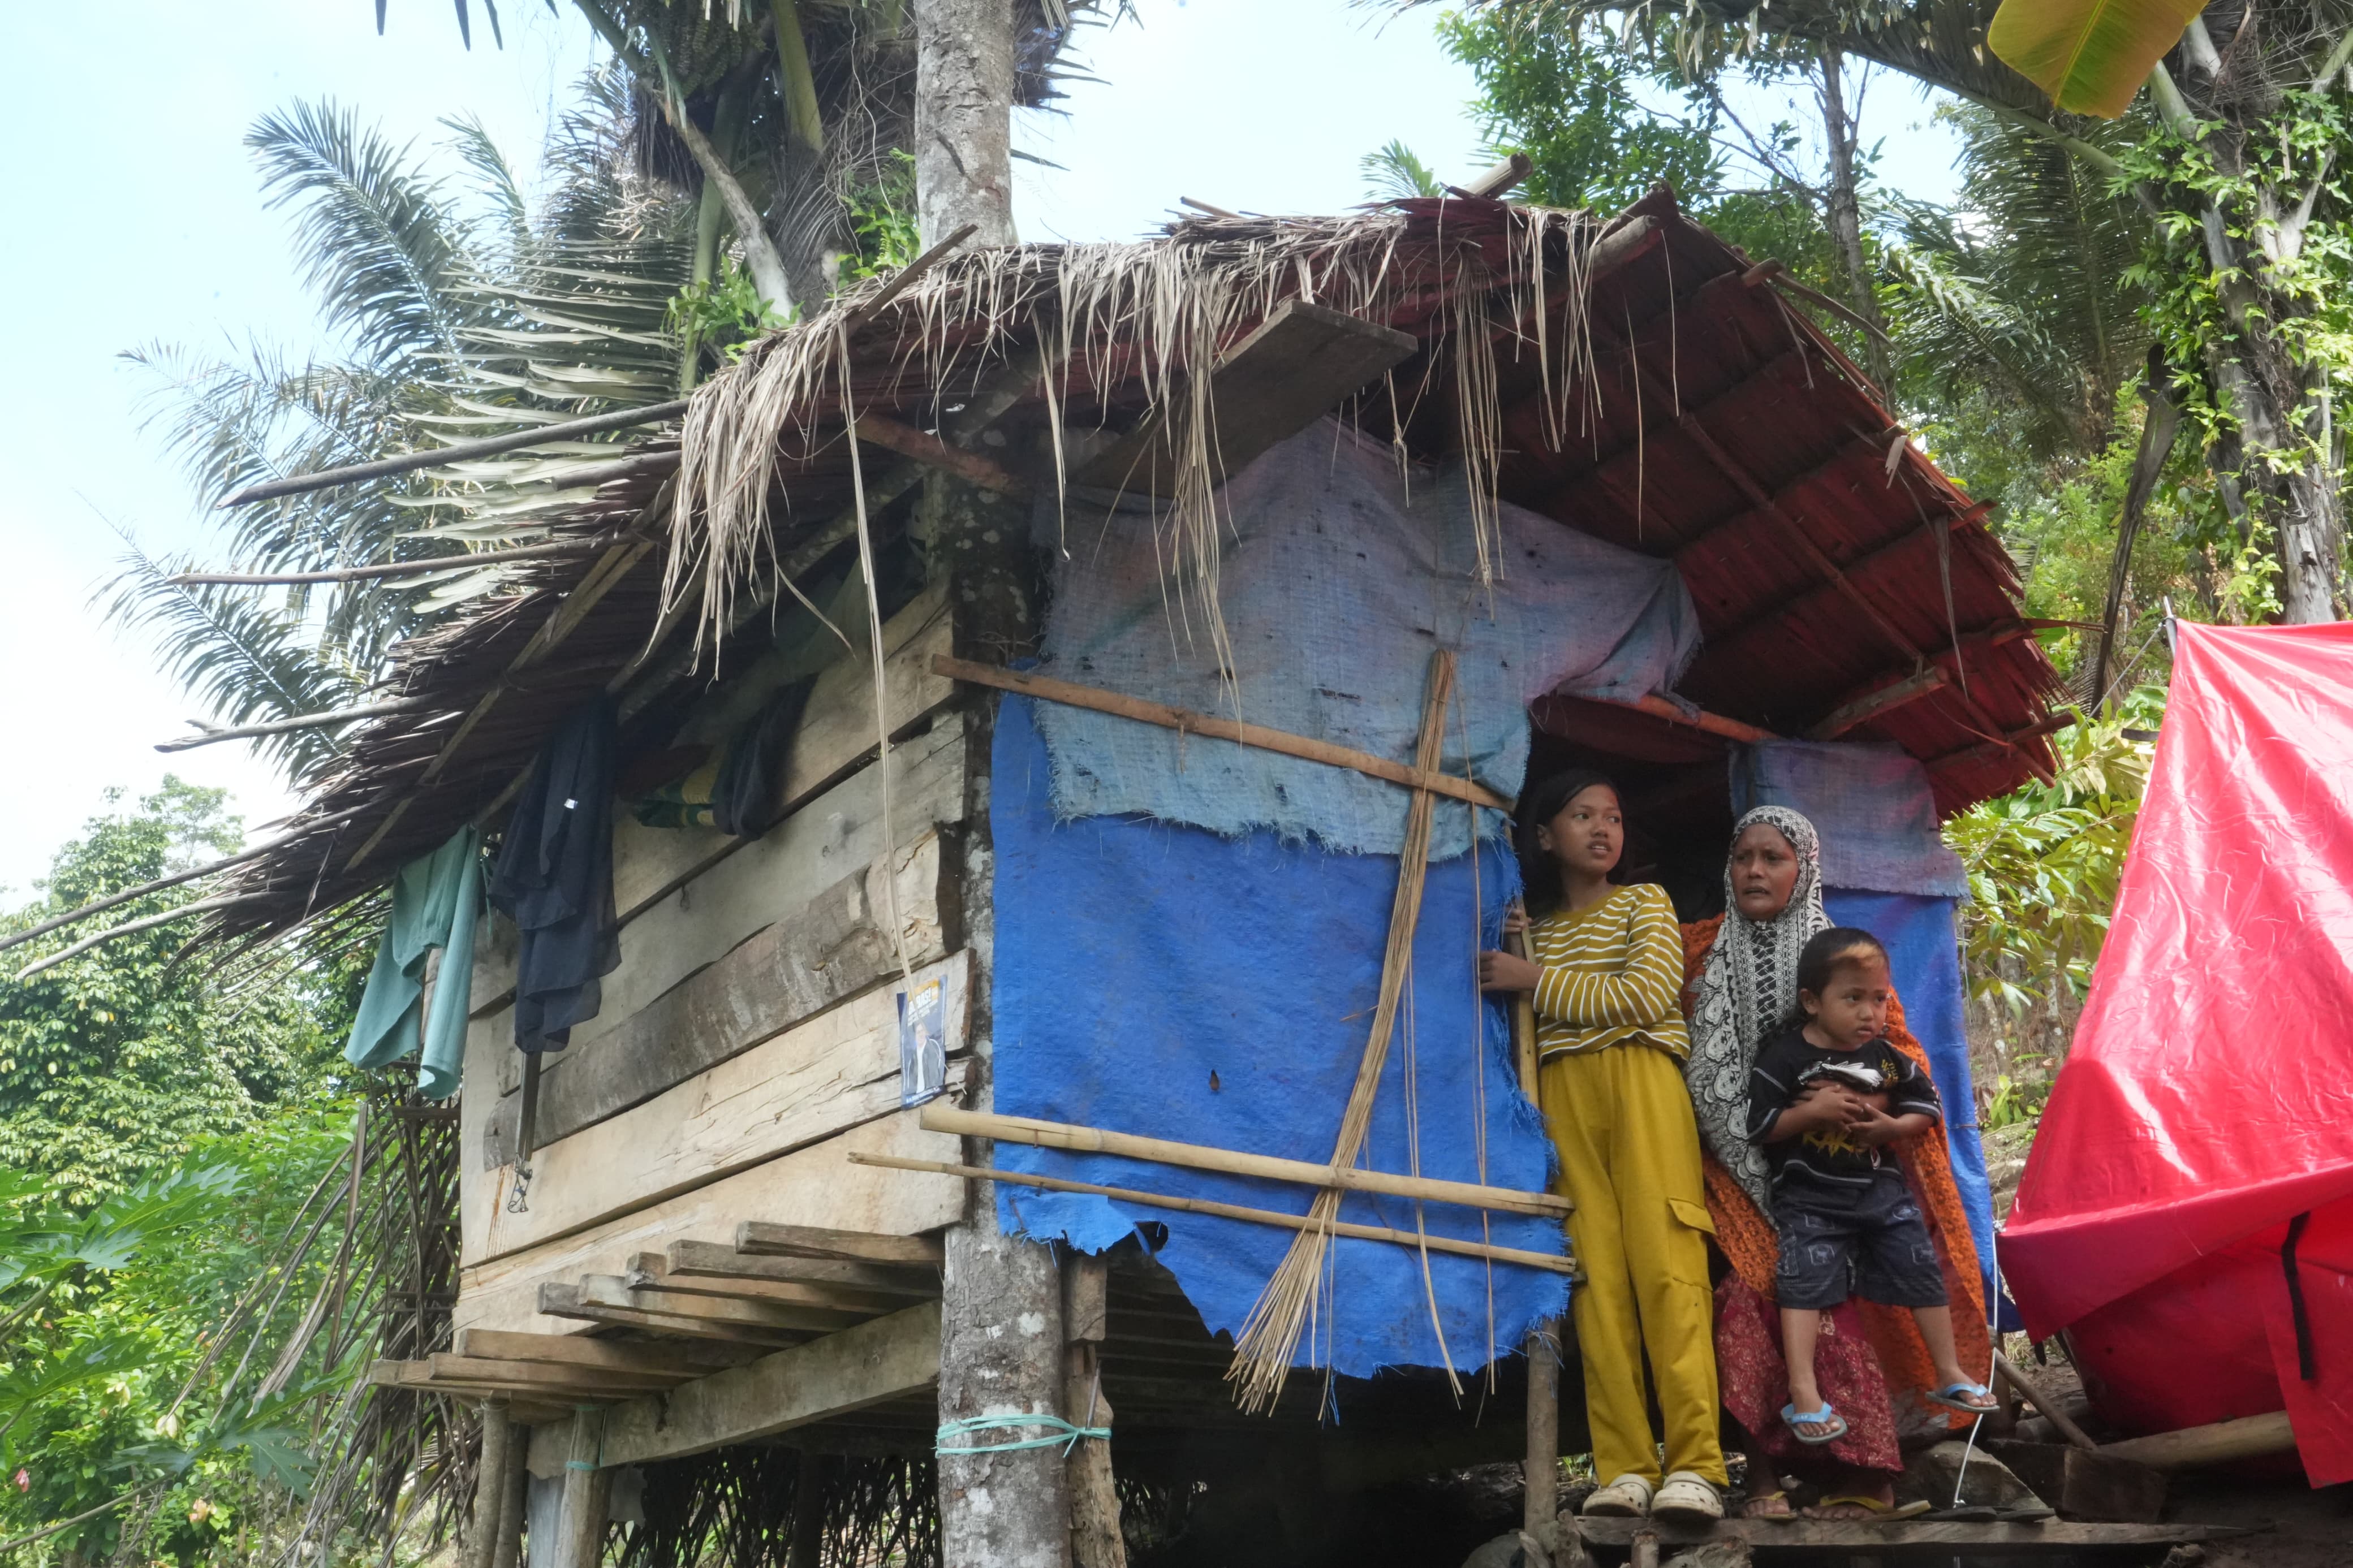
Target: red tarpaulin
2208, 1098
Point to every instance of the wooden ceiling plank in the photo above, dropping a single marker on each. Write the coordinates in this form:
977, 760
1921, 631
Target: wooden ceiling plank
760, 1239
710, 1259
595, 1354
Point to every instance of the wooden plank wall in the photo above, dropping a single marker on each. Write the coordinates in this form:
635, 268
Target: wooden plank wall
749, 1038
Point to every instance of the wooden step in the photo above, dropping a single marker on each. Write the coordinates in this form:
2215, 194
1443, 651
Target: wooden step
761, 1240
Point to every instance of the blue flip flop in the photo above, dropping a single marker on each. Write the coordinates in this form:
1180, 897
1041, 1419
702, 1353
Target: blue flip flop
1949, 1396
1825, 1416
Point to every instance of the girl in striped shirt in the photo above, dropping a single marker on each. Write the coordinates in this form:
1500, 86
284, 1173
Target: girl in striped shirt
1607, 970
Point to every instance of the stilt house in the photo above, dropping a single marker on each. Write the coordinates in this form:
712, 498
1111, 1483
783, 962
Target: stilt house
1226, 587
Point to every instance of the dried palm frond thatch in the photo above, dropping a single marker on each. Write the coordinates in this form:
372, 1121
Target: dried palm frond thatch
1150, 312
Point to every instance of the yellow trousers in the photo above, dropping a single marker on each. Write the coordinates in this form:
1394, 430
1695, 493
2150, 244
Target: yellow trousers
1621, 1120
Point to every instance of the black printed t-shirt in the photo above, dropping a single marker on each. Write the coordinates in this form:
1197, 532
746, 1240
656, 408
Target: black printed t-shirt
1831, 1160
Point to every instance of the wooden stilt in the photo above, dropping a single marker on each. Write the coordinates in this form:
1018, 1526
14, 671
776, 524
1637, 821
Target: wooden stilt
587, 1496
1095, 1541
514, 1486
806, 1550
1541, 1476
491, 1487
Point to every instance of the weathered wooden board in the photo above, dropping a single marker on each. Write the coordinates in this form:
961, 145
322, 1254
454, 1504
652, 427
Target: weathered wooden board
813, 1186
836, 946
834, 737
838, 1070
687, 1360
829, 838
832, 1376
1933, 1539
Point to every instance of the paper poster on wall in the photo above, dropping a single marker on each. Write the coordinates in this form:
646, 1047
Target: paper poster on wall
923, 1042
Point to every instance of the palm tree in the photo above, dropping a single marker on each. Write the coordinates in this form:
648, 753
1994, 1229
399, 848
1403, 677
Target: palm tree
465, 314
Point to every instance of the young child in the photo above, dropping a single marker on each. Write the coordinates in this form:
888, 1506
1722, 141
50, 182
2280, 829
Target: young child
1829, 1100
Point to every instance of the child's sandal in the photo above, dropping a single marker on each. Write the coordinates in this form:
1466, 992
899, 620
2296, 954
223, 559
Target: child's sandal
1969, 1398
1826, 1417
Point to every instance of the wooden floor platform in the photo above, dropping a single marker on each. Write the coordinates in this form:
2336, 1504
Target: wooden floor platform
1816, 1540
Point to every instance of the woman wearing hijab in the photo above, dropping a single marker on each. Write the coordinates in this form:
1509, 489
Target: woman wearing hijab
1742, 969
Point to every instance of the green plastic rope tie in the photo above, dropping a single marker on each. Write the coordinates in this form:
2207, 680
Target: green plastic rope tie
578, 1465
1066, 1437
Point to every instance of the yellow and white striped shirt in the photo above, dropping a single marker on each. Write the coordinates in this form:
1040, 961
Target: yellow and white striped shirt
1613, 976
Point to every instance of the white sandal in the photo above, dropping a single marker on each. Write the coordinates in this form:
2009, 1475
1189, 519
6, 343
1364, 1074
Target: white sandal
1628, 1496
1688, 1498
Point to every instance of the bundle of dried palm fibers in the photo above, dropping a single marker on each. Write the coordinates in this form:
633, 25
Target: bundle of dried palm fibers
1154, 312
1269, 1337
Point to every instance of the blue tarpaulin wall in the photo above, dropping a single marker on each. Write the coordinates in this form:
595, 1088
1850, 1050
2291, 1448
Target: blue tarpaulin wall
1163, 979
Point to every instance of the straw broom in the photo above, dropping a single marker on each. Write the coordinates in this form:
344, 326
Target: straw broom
1269, 1335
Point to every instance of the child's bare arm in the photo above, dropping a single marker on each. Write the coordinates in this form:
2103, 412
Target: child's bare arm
1876, 1128
1819, 1106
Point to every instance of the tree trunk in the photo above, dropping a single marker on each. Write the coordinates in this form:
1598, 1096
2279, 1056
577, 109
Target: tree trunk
1845, 217
963, 119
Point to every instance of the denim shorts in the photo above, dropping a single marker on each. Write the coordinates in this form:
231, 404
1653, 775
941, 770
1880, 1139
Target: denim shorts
1875, 1246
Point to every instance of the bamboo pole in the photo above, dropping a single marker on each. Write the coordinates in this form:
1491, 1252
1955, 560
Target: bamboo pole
2005, 1372
100, 906
1186, 722
489, 447
392, 568
201, 906
1523, 1016
938, 1118
288, 726
1301, 1222
490, 1485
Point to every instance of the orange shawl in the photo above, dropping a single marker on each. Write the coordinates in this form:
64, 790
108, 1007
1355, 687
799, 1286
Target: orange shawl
1752, 1247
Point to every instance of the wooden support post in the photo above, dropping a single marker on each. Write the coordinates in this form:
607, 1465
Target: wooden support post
514, 1489
2195, 1447
490, 1485
2005, 1372
1095, 1540
1541, 1475
806, 1547
587, 1496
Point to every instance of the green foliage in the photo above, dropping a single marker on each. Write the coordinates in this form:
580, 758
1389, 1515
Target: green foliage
724, 313
882, 217
2043, 862
116, 1063
1394, 174
2014, 1102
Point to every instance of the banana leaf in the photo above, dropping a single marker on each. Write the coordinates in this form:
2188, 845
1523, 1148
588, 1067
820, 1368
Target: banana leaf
2090, 56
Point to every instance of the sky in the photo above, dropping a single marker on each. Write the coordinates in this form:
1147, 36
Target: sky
141, 224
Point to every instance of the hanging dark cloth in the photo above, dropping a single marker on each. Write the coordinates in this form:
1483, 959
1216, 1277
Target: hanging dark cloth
554, 881
744, 795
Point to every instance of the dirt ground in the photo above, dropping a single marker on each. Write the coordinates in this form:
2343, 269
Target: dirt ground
2301, 1528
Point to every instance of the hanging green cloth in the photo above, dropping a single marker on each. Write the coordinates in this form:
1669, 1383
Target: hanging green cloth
437, 901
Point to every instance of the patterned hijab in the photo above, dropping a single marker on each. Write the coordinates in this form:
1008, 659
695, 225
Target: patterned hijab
1747, 990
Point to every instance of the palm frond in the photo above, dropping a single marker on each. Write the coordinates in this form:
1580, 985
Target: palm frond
1394, 173
376, 240
243, 660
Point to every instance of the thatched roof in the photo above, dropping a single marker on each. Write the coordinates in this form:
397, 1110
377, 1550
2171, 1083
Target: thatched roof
1677, 404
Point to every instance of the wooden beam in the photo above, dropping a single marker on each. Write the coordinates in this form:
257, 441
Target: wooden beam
620, 1291
2004, 1371
652, 1269
560, 1299
598, 1355
759, 1238
2196, 1448
931, 452
1302, 359
2008, 742
1525, 1258
1186, 722
419, 1375
2084, 1483
1794, 533
543, 1376
1934, 1540
688, 1259
1815, 599
878, 1361
1491, 185
1877, 702
938, 1117
1659, 707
